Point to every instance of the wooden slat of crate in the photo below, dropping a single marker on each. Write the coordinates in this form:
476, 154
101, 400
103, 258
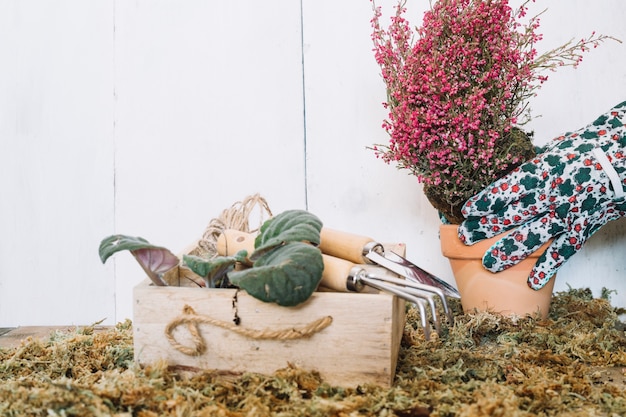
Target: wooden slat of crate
360, 346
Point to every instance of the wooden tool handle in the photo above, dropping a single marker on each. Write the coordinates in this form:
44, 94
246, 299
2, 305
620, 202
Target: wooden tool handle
232, 241
336, 273
344, 245
336, 243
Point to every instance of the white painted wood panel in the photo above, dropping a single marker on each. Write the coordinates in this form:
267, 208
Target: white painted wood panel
56, 161
348, 187
209, 110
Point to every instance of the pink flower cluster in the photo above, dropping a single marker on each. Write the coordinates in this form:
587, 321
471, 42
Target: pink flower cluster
455, 92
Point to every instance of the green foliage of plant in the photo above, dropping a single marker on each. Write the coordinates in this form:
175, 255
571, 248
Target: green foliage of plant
155, 260
287, 275
214, 270
289, 226
285, 267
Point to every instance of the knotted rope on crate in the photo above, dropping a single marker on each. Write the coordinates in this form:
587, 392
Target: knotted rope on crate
192, 320
236, 217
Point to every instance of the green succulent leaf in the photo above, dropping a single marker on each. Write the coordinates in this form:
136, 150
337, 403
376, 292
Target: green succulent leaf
287, 275
155, 260
214, 270
288, 226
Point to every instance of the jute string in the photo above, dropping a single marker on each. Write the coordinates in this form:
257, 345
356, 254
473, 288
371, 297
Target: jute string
236, 217
192, 320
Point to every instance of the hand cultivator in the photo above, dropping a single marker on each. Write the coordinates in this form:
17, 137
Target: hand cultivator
354, 263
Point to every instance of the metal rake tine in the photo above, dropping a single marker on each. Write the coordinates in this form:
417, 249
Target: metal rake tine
431, 301
409, 293
419, 302
422, 288
428, 288
402, 266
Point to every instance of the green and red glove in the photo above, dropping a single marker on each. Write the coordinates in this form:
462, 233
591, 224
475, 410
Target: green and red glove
567, 193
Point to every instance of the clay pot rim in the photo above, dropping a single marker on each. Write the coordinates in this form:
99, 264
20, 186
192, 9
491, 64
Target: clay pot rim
452, 247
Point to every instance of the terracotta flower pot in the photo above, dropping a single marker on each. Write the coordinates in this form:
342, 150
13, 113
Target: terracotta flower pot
504, 292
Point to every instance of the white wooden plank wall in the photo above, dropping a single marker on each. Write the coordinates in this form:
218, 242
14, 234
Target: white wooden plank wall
150, 117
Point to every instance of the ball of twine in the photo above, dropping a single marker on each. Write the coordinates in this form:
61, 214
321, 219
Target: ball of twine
236, 217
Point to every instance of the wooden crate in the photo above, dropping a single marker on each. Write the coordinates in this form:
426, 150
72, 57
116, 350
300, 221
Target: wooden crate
359, 343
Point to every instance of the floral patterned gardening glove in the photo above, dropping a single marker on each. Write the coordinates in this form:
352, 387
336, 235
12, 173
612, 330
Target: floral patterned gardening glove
567, 193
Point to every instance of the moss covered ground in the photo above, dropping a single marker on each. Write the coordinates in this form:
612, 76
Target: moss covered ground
572, 364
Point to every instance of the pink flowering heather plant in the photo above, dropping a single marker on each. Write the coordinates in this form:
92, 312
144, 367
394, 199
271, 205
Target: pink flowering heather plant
457, 90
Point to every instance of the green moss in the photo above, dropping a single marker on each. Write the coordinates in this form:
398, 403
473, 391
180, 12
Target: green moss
570, 364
